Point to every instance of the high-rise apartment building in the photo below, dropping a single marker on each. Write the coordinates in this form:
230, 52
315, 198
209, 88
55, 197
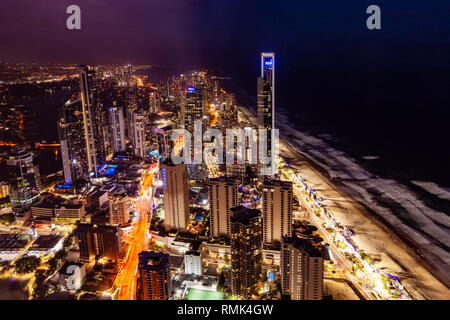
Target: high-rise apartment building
266, 99
301, 269
176, 195
71, 138
276, 210
118, 207
98, 241
223, 195
246, 251
153, 281
165, 143
138, 140
117, 128
92, 120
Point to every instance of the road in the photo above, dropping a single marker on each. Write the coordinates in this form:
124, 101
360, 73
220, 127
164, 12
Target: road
337, 256
126, 281
28, 246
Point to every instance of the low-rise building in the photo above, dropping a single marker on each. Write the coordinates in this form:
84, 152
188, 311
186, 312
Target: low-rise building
69, 213
57, 210
12, 245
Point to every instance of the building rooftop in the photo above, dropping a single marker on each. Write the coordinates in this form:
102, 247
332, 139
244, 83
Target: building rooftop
192, 253
53, 202
272, 182
49, 202
307, 246
153, 261
68, 268
118, 190
46, 241
164, 129
83, 227
243, 215
186, 236
198, 294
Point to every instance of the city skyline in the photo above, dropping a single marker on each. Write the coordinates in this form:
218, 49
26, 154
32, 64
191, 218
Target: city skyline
269, 231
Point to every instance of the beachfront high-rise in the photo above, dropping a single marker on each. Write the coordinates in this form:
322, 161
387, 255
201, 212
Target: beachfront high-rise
223, 195
176, 195
301, 269
71, 138
246, 251
277, 210
266, 98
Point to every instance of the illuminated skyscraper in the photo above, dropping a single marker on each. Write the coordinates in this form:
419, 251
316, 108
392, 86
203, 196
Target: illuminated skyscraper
223, 195
176, 195
24, 178
277, 210
153, 280
154, 103
246, 251
266, 98
194, 107
301, 269
117, 128
193, 112
164, 140
71, 138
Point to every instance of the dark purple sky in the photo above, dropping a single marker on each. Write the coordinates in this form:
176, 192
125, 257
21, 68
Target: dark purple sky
330, 67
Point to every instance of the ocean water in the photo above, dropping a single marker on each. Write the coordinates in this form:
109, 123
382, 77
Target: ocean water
393, 121
382, 135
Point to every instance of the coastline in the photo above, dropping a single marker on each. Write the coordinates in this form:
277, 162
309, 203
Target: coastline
400, 257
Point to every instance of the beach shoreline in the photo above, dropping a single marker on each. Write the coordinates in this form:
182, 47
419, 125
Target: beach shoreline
400, 257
